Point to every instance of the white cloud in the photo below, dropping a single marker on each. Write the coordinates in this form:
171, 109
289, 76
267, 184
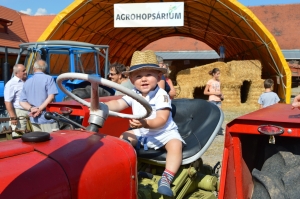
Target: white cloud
41, 11
27, 11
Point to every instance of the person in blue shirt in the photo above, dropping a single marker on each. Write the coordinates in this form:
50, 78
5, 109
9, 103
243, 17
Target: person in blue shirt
268, 98
222, 52
38, 91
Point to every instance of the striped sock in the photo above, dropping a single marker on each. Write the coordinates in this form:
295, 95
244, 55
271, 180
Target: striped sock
167, 178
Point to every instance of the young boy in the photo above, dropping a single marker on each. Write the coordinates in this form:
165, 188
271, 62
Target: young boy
158, 129
268, 98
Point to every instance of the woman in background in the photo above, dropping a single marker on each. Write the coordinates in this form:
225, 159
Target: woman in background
213, 88
163, 82
172, 91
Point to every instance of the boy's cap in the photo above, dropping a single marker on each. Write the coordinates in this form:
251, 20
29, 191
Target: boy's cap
144, 60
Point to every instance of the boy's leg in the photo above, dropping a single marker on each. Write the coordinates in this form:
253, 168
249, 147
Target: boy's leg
174, 155
173, 162
129, 135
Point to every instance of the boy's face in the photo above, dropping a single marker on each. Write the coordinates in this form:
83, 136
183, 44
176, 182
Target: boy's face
145, 80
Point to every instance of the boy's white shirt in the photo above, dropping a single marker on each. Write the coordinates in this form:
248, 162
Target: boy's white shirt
158, 99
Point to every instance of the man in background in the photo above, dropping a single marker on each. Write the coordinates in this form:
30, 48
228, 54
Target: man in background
37, 93
115, 75
12, 92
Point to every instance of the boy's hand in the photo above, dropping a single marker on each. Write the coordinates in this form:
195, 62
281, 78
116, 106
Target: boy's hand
135, 124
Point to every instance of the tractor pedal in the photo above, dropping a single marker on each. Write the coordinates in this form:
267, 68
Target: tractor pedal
143, 174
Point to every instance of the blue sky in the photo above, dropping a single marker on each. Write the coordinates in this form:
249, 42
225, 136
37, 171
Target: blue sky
42, 7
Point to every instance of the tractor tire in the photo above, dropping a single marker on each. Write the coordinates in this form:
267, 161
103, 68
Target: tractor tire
279, 177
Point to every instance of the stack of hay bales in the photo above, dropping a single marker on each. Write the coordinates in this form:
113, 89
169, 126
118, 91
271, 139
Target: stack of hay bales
241, 82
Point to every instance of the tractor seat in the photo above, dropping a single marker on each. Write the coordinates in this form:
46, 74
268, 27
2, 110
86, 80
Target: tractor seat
198, 123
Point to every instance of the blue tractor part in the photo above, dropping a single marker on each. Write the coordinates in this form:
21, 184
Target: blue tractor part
63, 56
67, 56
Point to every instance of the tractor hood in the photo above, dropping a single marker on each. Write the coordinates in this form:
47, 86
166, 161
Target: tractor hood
72, 164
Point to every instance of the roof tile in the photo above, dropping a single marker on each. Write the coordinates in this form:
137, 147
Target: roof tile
16, 33
36, 25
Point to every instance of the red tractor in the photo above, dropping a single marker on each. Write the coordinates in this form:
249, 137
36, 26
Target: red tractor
261, 155
89, 160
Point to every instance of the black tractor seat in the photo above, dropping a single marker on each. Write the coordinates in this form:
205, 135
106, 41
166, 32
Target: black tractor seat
198, 123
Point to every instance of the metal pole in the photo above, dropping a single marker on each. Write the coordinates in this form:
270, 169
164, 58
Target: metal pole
5, 71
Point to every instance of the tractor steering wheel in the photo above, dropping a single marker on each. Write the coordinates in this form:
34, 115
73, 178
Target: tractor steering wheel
95, 81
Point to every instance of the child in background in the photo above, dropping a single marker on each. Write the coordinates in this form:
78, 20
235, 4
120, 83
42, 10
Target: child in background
268, 98
213, 88
162, 83
159, 129
172, 91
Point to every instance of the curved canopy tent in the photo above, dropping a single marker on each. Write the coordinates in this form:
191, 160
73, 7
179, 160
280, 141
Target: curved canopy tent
211, 21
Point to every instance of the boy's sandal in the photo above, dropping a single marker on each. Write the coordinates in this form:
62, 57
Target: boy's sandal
164, 190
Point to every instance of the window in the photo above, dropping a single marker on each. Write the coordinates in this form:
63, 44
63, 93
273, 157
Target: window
4, 23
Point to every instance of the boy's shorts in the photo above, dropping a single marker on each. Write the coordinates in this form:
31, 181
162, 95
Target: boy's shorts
158, 140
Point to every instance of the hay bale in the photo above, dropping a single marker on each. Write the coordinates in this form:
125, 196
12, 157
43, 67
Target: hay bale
256, 89
240, 82
191, 78
244, 70
231, 92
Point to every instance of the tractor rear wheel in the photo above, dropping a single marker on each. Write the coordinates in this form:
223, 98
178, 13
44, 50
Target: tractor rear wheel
279, 177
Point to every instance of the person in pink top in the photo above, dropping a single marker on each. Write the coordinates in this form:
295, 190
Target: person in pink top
213, 88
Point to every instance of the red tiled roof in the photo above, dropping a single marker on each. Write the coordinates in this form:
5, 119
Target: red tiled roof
283, 21
36, 25
16, 33
177, 44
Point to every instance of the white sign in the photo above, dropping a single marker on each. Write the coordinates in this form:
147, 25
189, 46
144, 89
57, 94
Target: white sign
162, 14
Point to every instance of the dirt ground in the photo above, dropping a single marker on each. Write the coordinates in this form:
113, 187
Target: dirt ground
214, 153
